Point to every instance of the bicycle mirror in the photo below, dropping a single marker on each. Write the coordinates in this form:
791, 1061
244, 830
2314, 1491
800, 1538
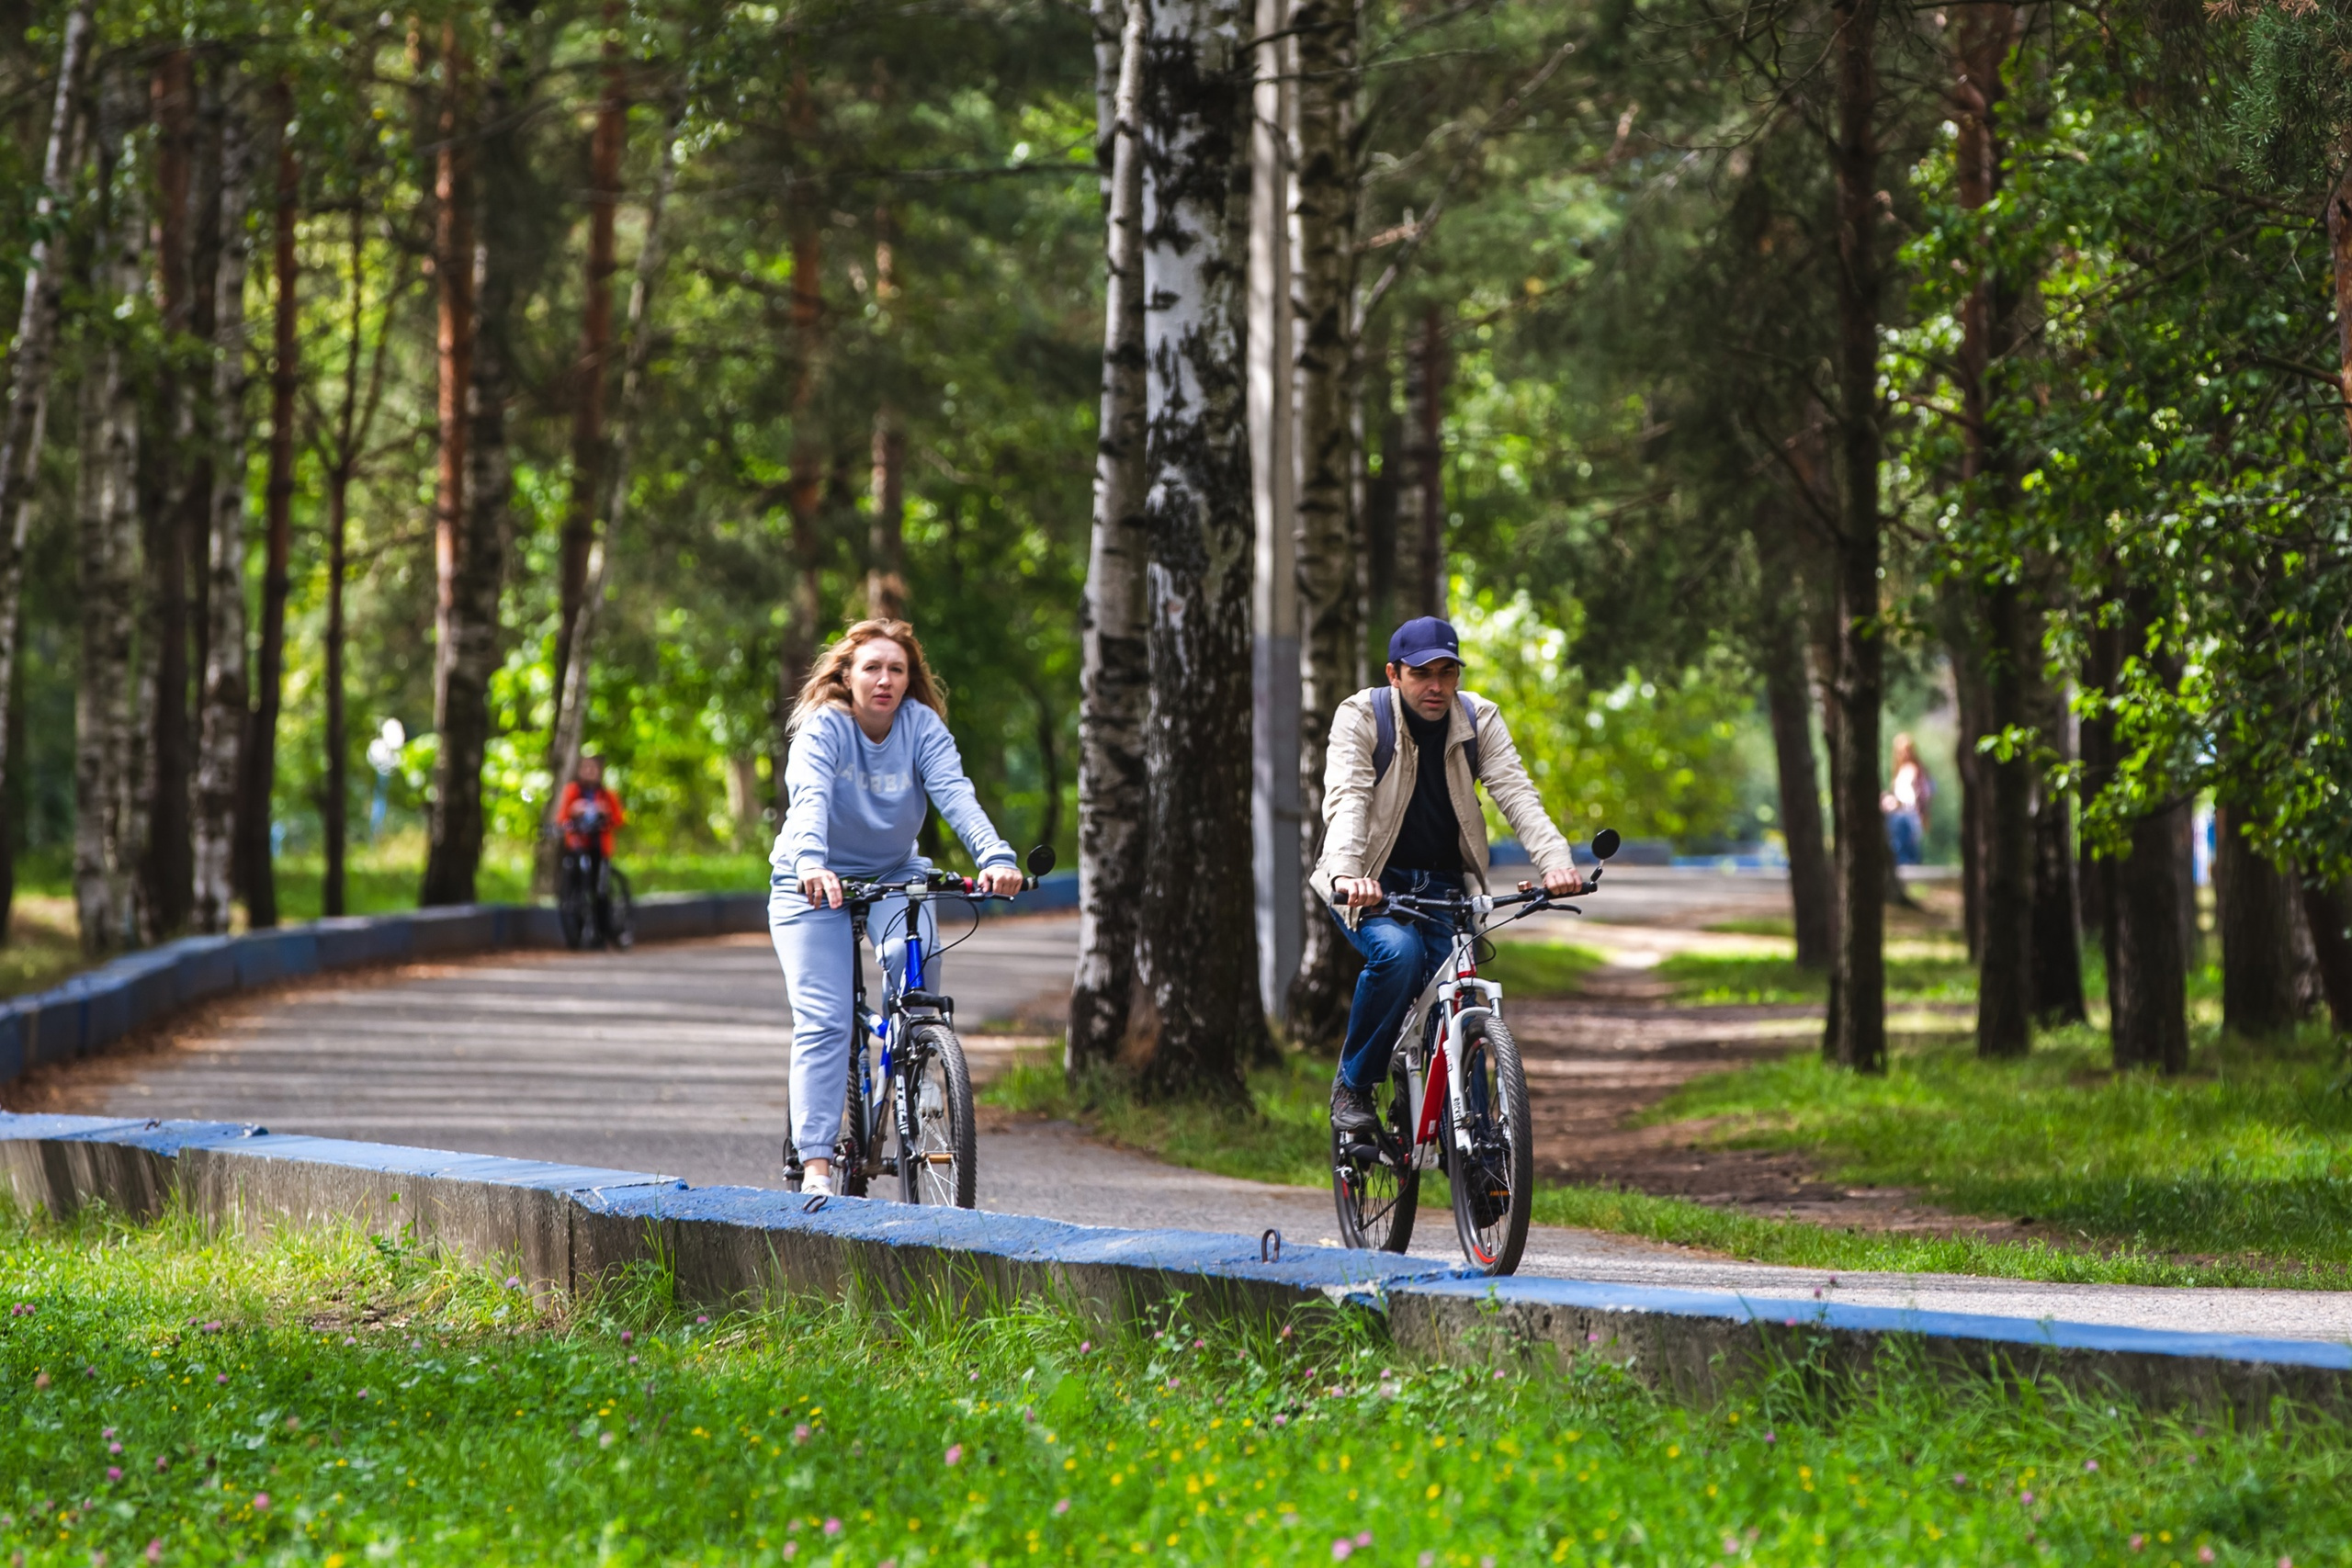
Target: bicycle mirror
1041, 860
1605, 842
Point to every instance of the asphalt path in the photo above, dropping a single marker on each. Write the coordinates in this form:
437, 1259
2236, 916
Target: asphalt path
672, 1058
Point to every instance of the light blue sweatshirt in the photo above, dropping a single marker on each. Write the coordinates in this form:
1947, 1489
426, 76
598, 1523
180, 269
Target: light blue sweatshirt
855, 808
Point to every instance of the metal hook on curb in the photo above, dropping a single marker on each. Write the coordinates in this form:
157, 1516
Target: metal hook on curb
1270, 1246
815, 1202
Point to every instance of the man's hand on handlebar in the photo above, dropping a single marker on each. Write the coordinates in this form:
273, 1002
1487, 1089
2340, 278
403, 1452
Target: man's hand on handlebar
819, 885
1564, 882
1005, 879
1357, 892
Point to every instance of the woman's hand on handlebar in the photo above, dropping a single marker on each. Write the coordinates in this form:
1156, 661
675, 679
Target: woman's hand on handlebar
1004, 879
819, 885
1357, 892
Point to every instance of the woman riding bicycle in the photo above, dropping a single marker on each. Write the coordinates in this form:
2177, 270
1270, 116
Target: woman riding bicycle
871, 753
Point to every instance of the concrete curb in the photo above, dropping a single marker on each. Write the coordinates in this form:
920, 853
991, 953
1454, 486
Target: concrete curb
90, 1012
559, 1228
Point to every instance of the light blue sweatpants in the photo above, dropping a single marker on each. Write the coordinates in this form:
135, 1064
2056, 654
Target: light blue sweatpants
812, 943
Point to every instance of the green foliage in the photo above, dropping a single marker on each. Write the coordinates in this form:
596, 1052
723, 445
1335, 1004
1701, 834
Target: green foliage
334, 1399
1651, 760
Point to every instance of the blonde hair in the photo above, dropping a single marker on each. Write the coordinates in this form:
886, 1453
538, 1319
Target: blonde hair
828, 682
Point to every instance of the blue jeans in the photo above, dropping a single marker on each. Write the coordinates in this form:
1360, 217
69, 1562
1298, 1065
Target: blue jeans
1905, 835
1399, 956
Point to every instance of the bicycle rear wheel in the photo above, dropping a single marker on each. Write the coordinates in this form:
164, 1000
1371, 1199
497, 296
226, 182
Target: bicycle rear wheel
620, 927
940, 1164
1494, 1179
851, 1149
573, 912
1377, 1200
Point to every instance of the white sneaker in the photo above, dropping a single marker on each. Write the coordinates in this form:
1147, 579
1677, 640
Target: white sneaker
814, 1185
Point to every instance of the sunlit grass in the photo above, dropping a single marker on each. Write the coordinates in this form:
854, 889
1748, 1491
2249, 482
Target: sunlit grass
178, 1398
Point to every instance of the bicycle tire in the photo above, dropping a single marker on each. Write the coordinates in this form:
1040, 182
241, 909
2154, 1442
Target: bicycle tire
622, 903
936, 1101
1493, 1180
572, 914
1377, 1204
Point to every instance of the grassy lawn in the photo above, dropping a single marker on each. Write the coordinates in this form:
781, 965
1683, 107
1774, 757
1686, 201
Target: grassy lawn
1541, 968
2247, 1157
173, 1398
1916, 973
1287, 1140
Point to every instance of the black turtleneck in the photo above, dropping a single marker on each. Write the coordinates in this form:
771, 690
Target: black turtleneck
1431, 837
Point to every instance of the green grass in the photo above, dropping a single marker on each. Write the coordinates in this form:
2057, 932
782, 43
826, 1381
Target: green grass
1541, 968
1713, 980
330, 1401
2294, 1235
2245, 1159
44, 944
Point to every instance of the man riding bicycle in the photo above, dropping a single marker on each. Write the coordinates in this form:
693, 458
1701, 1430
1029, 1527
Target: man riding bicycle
1400, 815
587, 814
871, 755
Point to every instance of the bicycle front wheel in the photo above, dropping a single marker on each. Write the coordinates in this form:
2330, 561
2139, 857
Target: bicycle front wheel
939, 1160
1494, 1178
1376, 1187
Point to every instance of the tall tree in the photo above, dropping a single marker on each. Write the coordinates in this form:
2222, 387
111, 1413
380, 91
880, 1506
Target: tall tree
260, 785
2254, 914
1329, 605
1857, 1035
1788, 697
1114, 794
805, 489
885, 533
1199, 960
175, 523
29, 362
607, 145
224, 717
106, 842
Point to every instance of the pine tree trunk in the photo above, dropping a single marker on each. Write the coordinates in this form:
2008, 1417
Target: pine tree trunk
2148, 974
1388, 497
2327, 912
1113, 796
1788, 701
335, 808
885, 535
2254, 905
24, 425
572, 704
2005, 973
2057, 918
224, 718
1858, 1035
1199, 960
805, 491
607, 146
1329, 608
475, 571
286, 373
173, 527
107, 846
1428, 421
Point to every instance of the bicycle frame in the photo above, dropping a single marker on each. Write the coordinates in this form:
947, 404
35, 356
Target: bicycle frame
889, 1026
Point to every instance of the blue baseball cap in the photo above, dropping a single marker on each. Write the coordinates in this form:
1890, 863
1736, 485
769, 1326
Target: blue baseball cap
1424, 640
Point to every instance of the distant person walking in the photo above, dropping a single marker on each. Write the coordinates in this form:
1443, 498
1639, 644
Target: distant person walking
1906, 804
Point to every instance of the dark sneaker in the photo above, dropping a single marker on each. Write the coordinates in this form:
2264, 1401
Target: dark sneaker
1352, 1109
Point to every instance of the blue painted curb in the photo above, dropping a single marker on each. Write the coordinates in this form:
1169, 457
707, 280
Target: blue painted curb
90, 1012
563, 1227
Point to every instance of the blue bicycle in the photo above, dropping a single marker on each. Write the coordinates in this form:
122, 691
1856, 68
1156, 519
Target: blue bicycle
909, 1108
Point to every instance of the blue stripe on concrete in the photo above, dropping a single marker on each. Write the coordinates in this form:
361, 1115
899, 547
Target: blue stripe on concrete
2049, 1332
398, 1159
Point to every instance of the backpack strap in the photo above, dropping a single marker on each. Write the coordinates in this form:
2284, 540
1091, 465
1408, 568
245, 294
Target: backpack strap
1472, 715
1384, 732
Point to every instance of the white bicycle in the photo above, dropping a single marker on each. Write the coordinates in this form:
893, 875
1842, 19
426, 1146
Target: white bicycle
1454, 1098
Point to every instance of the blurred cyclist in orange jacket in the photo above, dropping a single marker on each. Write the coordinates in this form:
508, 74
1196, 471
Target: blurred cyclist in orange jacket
587, 807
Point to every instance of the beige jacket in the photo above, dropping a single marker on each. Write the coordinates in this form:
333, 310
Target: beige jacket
1362, 819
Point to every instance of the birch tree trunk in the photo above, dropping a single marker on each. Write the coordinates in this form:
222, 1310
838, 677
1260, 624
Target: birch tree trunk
284, 378
571, 705
1857, 1038
106, 850
1329, 607
24, 425
221, 730
1114, 795
1198, 956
